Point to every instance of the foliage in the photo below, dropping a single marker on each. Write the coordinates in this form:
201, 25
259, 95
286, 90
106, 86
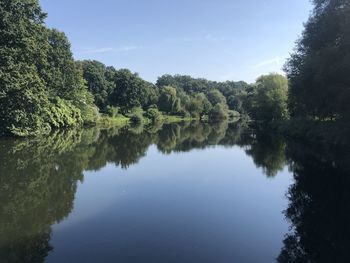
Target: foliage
169, 101
131, 91
100, 80
196, 94
199, 105
112, 111
216, 97
319, 68
269, 100
42, 88
63, 114
218, 113
154, 114
136, 117
36, 68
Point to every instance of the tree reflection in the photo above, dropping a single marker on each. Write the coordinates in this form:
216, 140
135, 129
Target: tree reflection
37, 186
39, 177
319, 207
268, 152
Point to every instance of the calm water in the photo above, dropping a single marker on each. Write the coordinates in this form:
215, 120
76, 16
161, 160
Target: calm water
172, 193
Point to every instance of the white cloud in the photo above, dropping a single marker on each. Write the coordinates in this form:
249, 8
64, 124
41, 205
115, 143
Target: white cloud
128, 48
274, 61
110, 49
201, 37
97, 50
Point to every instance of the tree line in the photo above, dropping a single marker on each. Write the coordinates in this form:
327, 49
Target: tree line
318, 70
42, 88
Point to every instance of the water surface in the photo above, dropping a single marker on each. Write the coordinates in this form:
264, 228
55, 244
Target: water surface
167, 193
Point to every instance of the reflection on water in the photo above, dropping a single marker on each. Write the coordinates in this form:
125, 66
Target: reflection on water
39, 180
319, 207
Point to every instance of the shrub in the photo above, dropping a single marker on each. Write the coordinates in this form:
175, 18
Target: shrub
112, 111
154, 114
218, 113
184, 114
63, 114
136, 116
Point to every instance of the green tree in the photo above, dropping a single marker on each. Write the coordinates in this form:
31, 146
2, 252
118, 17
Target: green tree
100, 81
319, 68
154, 114
218, 113
270, 100
41, 86
131, 91
216, 97
169, 101
199, 105
23, 49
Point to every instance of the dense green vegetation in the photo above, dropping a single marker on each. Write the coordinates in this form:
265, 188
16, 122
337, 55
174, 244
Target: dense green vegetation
319, 68
42, 88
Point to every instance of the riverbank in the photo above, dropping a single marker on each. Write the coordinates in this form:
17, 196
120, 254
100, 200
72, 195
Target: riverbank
331, 134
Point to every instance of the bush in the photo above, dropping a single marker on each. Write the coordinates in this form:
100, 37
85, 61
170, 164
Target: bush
112, 111
154, 114
63, 114
218, 113
90, 114
184, 114
136, 117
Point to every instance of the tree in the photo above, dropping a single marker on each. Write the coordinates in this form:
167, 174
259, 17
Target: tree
23, 48
100, 81
168, 101
218, 113
319, 68
216, 97
131, 91
270, 99
235, 103
41, 86
199, 105
153, 114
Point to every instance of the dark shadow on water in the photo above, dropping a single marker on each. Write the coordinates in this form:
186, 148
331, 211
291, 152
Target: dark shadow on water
319, 208
39, 178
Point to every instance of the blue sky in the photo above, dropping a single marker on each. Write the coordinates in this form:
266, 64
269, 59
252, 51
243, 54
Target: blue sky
215, 39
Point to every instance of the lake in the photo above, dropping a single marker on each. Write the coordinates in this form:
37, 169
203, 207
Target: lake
186, 192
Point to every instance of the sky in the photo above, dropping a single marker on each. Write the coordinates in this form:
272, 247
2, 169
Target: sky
215, 39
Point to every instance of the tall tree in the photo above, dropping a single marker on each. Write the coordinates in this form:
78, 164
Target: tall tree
319, 68
169, 101
269, 102
216, 97
23, 49
100, 81
41, 87
131, 91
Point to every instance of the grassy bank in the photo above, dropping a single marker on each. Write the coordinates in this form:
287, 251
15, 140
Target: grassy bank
118, 121
122, 121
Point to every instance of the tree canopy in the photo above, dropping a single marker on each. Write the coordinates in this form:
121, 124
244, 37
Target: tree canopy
319, 68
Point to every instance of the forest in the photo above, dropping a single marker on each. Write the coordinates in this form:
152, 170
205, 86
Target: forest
42, 87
